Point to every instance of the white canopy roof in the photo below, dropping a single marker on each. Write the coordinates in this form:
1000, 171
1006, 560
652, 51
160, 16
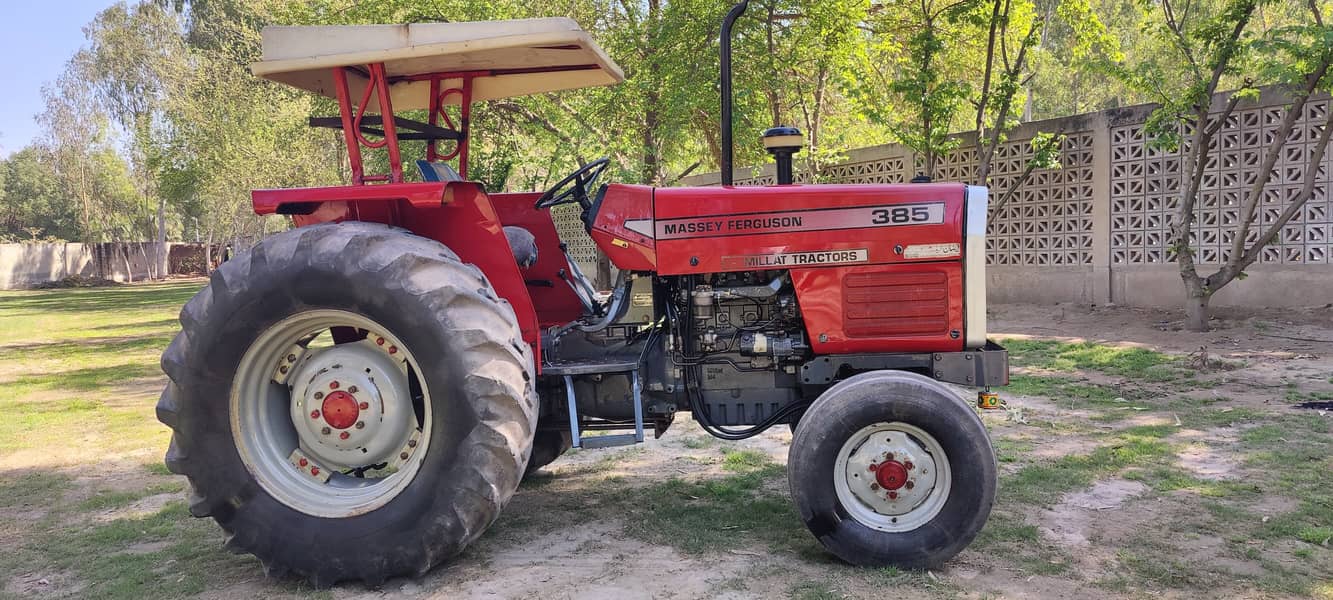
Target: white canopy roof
304, 56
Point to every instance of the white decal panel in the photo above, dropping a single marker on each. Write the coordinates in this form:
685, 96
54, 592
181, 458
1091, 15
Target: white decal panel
932, 251
892, 215
797, 259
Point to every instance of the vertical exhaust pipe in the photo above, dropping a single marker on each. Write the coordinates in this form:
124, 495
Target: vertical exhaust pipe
727, 23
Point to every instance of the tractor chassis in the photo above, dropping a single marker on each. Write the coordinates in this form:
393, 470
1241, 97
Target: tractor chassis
986, 367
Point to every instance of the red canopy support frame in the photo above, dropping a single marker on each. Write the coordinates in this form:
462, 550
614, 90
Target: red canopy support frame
377, 84
437, 113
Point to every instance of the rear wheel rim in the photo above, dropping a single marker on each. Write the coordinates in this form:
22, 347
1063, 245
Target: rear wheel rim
892, 477
333, 431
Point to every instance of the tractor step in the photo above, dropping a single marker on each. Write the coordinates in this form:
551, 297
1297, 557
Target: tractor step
610, 441
568, 370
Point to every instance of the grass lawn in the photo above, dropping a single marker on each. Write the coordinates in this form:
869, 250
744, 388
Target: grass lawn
86, 508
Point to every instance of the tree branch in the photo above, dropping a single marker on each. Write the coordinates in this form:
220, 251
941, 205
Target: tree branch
1237, 262
1256, 192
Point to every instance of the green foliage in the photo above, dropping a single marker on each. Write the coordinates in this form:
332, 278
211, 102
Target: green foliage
180, 126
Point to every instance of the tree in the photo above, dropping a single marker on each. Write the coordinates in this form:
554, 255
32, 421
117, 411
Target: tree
31, 198
913, 74
1203, 49
136, 55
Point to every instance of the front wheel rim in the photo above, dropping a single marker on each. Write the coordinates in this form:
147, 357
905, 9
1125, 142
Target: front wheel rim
892, 477
335, 431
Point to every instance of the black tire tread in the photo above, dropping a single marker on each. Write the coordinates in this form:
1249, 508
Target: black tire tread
497, 384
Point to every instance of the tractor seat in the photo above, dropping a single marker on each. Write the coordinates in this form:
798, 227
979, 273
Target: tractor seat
523, 244
437, 171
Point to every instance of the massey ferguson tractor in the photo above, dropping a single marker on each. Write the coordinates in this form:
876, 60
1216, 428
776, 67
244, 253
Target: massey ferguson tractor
357, 398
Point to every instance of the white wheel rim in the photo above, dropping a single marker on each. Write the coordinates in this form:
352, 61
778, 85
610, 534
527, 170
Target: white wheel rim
892, 477
305, 420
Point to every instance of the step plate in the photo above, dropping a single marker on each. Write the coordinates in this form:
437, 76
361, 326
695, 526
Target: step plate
609, 441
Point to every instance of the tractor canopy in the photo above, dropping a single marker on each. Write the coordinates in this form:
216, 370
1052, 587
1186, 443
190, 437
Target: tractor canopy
502, 59
381, 69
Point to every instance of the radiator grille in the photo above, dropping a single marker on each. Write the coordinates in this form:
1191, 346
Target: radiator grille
888, 303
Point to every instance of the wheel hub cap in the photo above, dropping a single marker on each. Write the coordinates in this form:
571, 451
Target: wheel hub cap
351, 406
340, 410
892, 476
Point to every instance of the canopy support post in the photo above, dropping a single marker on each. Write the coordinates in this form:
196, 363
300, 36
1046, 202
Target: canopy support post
349, 130
352, 115
437, 104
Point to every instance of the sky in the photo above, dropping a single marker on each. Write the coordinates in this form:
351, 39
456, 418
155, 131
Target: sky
36, 39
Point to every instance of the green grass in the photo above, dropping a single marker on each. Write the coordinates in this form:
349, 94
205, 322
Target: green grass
80, 372
715, 515
75, 364
1043, 482
1139, 363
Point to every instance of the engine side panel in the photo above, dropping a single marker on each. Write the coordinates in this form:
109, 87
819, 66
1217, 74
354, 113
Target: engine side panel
882, 308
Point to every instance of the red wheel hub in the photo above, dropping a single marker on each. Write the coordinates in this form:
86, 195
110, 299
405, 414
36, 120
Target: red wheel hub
890, 474
340, 410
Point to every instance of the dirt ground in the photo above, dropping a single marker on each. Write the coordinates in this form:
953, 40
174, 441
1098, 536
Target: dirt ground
1193, 476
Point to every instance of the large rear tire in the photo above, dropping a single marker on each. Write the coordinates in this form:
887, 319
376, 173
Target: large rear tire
420, 409
892, 468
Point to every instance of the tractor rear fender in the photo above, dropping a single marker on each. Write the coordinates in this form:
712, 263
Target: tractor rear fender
458, 214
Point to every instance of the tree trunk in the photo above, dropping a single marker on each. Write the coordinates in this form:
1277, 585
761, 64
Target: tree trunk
208, 252
1196, 311
129, 267
162, 259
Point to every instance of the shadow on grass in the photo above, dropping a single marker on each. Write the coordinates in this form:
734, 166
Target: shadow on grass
102, 346
120, 298
82, 380
746, 509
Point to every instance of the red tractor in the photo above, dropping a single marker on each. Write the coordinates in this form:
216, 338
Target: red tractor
358, 397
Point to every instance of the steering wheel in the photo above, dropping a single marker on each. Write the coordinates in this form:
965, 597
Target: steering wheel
576, 187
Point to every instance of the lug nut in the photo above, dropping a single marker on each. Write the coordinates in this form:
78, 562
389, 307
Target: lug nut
871, 467
344, 435
333, 385
403, 456
888, 455
411, 443
363, 405
874, 486
351, 390
325, 431
314, 470
291, 358
893, 495
283, 369
910, 484
319, 395
360, 424
314, 414
304, 462
909, 465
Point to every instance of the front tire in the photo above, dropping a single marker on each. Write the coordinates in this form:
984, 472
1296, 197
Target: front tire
442, 411
892, 468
